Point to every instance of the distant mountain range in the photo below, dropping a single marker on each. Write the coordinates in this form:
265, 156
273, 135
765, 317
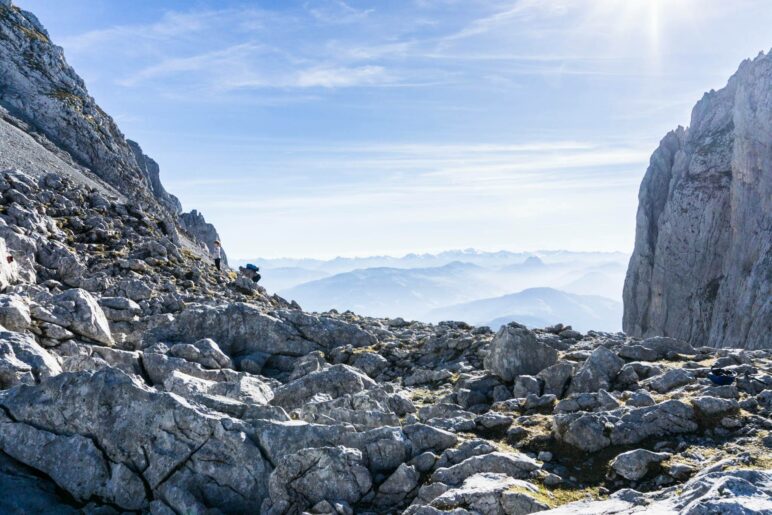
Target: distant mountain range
481, 258
392, 291
483, 288
537, 307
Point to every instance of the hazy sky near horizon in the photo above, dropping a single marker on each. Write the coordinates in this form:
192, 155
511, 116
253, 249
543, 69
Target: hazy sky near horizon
329, 127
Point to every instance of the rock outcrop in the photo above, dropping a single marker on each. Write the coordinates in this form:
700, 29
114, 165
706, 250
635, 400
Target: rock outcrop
41, 91
701, 270
203, 232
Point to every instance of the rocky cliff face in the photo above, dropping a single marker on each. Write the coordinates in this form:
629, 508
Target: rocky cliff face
136, 378
196, 225
702, 265
39, 88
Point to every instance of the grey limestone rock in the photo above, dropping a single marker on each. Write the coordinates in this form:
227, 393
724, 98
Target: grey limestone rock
423, 438
525, 385
491, 493
592, 431
241, 329
737, 492
39, 87
701, 269
334, 381
514, 465
670, 380
14, 312
597, 372
713, 407
516, 351
397, 486
556, 378
199, 460
23, 360
309, 476
83, 315
640, 398
634, 465
206, 352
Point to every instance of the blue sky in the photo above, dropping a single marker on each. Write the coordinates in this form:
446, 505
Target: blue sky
325, 128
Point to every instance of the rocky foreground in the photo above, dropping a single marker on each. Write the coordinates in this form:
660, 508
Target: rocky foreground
136, 378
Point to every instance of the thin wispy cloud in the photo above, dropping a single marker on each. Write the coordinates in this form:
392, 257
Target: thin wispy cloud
412, 124
336, 12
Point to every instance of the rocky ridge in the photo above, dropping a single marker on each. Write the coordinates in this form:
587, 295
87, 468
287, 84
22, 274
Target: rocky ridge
135, 378
42, 94
701, 270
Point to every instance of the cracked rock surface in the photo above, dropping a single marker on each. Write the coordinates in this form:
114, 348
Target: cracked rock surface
701, 270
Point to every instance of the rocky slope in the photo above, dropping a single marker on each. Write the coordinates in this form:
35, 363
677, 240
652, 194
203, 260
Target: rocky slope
134, 378
42, 93
702, 265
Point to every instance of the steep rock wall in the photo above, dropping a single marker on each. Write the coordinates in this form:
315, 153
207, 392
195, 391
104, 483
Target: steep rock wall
702, 265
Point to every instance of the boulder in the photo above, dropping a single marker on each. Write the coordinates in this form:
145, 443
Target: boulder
638, 353
640, 398
525, 385
397, 486
490, 493
597, 372
592, 432
83, 315
514, 465
670, 380
310, 476
600, 401
13, 370
634, 465
384, 448
515, 351
465, 450
23, 360
206, 352
241, 329
68, 267
663, 346
119, 309
425, 376
715, 407
556, 377
367, 409
131, 442
334, 381
14, 312
371, 363
425, 438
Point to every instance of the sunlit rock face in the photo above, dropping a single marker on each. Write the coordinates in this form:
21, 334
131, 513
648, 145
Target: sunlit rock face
702, 265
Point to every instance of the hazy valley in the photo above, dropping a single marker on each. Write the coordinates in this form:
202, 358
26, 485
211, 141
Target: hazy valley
536, 288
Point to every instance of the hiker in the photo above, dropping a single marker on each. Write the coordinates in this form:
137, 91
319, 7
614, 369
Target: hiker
217, 254
255, 271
